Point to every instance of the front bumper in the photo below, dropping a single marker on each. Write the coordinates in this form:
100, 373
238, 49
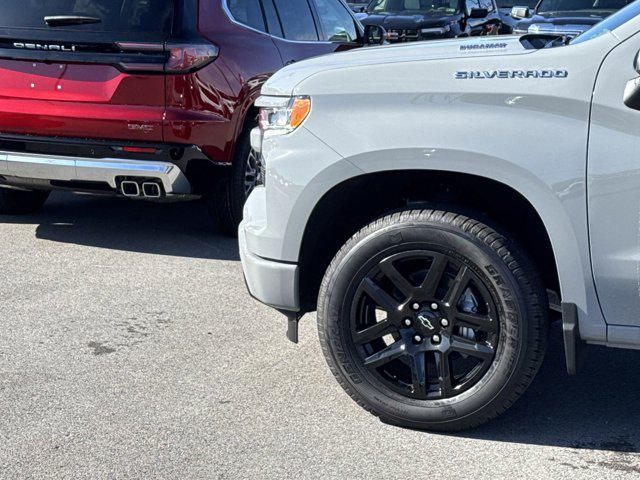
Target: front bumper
270, 282
300, 170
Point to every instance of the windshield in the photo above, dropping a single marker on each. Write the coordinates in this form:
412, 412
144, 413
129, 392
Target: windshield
120, 16
610, 23
580, 5
414, 6
517, 3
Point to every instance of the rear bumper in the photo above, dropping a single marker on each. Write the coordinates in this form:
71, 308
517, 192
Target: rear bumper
15, 166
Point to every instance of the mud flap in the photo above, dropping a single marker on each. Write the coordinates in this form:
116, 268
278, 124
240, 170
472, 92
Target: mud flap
293, 319
292, 328
574, 347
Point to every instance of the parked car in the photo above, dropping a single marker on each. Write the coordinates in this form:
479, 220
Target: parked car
358, 5
412, 20
148, 99
564, 17
506, 9
435, 240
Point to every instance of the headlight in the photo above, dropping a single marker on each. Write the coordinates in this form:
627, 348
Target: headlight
282, 115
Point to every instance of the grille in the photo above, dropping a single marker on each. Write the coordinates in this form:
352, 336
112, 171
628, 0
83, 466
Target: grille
403, 35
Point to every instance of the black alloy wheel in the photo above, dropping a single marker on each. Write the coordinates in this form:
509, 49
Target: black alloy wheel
433, 320
425, 324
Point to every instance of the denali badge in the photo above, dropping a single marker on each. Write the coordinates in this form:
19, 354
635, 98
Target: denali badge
40, 46
467, 75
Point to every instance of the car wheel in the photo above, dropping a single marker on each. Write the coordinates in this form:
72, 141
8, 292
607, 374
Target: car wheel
227, 203
21, 202
432, 320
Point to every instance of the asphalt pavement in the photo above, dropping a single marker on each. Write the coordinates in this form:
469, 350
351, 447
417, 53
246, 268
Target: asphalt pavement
130, 349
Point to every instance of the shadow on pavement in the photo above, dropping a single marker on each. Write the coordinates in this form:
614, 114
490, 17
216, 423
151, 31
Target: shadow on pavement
597, 409
176, 229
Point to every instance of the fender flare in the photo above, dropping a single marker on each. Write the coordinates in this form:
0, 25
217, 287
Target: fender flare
568, 234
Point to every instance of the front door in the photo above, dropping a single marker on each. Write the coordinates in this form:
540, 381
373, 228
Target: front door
614, 189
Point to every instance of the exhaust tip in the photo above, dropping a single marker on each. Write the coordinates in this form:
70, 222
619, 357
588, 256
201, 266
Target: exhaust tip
130, 189
151, 190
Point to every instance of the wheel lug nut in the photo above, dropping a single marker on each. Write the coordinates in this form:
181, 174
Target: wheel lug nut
444, 322
416, 306
417, 339
436, 339
407, 322
434, 306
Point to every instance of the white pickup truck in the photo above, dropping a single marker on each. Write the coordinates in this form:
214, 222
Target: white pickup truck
440, 203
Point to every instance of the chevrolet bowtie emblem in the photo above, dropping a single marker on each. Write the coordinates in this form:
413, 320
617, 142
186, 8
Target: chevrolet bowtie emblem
426, 322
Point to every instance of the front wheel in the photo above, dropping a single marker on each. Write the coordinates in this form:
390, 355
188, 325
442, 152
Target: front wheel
21, 202
432, 320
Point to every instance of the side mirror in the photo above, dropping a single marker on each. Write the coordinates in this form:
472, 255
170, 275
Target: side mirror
478, 13
374, 35
631, 95
520, 12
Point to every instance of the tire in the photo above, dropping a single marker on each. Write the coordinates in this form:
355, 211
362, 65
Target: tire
21, 202
431, 267
228, 201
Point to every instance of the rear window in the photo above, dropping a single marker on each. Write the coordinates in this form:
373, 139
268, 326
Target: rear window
116, 16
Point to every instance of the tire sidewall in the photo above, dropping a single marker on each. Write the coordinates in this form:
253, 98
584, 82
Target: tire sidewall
227, 202
238, 197
498, 278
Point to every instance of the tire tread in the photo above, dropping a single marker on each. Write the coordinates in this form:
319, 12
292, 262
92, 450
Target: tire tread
516, 261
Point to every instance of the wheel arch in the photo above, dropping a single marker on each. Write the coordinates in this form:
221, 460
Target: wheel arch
349, 205
246, 118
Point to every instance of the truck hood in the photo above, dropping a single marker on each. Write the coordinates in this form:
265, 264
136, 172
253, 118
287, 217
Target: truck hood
284, 82
409, 22
561, 23
568, 18
576, 16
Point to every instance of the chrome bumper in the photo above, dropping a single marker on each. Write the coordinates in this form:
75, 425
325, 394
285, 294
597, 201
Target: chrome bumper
107, 170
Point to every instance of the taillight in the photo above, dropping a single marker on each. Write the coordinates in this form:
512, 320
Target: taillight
189, 58
182, 58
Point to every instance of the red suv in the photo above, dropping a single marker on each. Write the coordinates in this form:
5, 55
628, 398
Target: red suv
151, 99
